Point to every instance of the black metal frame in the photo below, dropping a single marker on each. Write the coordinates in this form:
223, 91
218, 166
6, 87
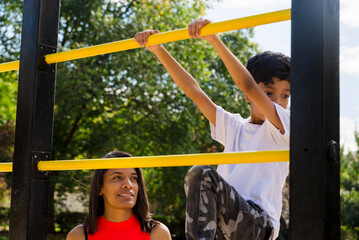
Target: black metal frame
314, 167
34, 120
314, 152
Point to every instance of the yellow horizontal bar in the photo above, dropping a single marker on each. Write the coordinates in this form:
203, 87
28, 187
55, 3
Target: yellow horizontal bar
167, 160
9, 66
161, 161
5, 167
170, 36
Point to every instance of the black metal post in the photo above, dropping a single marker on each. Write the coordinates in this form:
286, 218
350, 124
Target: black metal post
314, 149
34, 120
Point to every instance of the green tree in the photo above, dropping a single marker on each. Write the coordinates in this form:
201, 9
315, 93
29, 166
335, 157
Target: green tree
127, 100
10, 27
9, 51
349, 193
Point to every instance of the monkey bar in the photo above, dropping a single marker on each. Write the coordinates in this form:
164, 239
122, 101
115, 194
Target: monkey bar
161, 161
314, 153
170, 36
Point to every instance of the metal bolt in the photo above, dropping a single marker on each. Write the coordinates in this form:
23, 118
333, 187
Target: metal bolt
334, 151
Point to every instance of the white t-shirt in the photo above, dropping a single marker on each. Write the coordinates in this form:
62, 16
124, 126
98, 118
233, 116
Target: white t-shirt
261, 183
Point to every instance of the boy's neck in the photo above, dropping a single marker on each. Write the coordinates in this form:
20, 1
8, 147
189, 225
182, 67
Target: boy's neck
255, 116
255, 120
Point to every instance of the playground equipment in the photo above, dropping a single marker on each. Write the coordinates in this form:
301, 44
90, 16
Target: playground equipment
161, 161
165, 37
314, 154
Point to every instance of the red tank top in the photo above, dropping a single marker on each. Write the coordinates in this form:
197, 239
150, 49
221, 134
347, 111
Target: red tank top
126, 230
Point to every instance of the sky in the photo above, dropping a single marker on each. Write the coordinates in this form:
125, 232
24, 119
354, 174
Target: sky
276, 37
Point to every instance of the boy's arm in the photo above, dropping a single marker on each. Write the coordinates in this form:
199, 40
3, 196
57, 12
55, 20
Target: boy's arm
181, 77
239, 74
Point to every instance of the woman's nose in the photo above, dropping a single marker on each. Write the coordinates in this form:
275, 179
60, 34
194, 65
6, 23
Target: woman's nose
127, 184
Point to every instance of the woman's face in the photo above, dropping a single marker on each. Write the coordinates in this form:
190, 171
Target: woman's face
120, 189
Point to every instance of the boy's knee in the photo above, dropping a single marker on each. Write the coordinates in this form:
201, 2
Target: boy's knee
194, 176
197, 172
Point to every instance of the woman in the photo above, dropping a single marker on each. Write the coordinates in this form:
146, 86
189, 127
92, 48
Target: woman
119, 208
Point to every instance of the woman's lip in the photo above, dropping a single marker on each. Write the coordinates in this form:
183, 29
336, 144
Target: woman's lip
129, 195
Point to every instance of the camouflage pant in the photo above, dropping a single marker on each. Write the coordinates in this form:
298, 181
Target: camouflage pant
216, 211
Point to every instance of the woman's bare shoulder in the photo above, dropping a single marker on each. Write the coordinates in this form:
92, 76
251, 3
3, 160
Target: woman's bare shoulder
77, 233
160, 232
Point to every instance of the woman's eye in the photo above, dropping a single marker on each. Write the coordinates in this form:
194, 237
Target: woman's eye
117, 178
268, 93
285, 96
134, 179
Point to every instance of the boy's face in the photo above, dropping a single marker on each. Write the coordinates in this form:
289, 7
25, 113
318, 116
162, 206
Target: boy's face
278, 92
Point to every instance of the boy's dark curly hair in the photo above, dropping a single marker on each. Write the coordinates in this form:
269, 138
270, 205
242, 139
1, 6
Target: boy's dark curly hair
266, 65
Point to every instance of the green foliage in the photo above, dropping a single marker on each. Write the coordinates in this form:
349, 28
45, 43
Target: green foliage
7, 135
4, 216
349, 194
174, 223
10, 26
67, 220
127, 100
10, 29
166, 193
8, 92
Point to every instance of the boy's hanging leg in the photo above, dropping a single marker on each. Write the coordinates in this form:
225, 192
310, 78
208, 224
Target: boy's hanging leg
216, 211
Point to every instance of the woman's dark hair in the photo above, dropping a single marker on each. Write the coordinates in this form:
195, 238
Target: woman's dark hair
97, 207
266, 65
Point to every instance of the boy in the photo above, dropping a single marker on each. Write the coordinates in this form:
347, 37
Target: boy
238, 201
